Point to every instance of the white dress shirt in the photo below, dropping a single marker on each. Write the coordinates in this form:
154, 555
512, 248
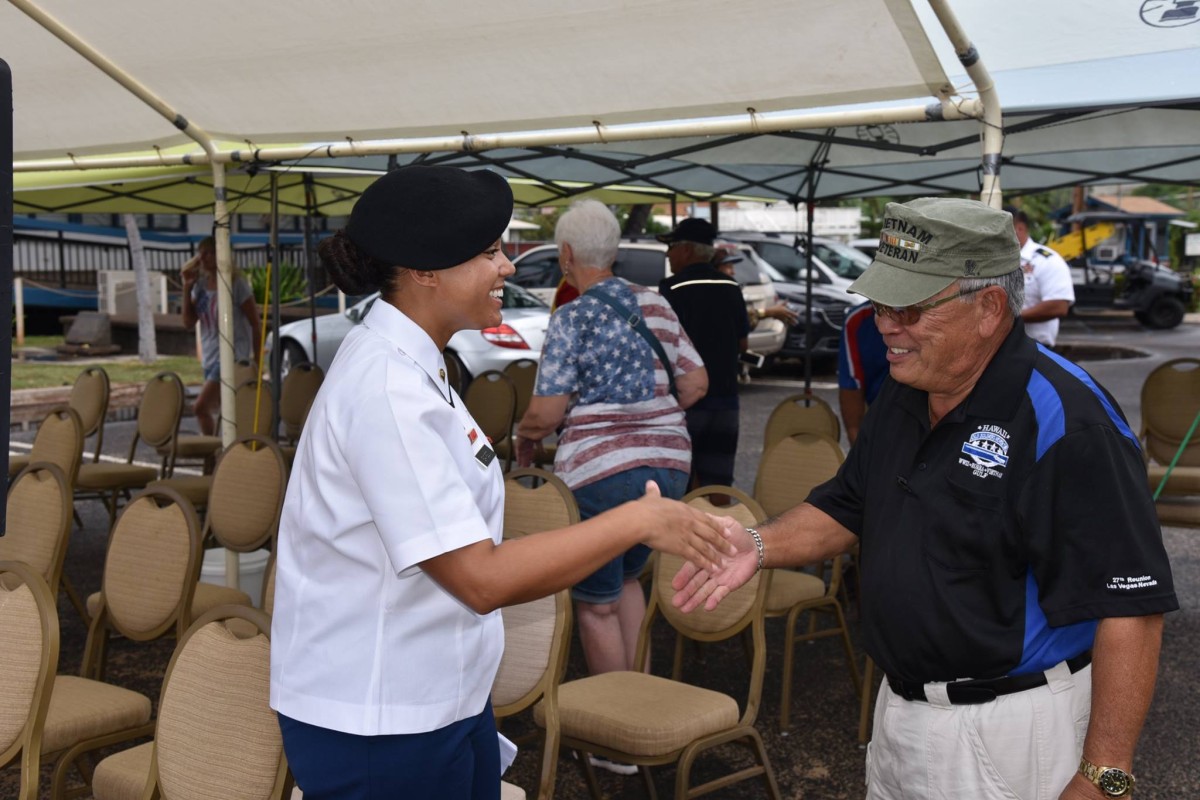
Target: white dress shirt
385, 477
1047, 277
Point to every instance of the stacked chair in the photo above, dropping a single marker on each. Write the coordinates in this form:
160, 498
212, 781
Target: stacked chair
216, 735
801, 413
296, 395
536, 500
158, 416
791, 468
89, 399
39, 522
150, 574
1170, 405
28, 662
492, 400
643, 719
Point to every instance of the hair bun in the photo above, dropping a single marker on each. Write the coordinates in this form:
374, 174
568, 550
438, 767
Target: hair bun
352, 270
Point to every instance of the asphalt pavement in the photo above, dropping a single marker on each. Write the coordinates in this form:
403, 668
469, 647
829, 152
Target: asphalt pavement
820, 758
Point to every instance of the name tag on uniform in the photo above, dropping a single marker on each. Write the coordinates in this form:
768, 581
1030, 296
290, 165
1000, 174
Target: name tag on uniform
484, 454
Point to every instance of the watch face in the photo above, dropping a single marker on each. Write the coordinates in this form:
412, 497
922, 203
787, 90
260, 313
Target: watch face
1114, 782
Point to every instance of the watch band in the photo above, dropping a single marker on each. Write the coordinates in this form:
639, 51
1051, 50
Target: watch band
1113, 781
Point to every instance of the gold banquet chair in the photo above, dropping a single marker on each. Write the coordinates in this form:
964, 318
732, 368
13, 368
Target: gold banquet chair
296, 395
28, 662
89, 399
39, 522
648, 720
244, 506
59, 441
1170, 404
216, 735
787, 472
537, 638
801, 413
536, 500
158, 415
150, 572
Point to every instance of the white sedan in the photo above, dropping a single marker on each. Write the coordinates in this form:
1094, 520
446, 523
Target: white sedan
519, 335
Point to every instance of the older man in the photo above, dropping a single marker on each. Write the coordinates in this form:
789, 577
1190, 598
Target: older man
1013, 572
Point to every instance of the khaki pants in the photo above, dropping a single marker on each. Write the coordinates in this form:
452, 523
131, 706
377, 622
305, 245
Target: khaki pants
1022, 746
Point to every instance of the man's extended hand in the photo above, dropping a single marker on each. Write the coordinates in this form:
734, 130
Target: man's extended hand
695, 586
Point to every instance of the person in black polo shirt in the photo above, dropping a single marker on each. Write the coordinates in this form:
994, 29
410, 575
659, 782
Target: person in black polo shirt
711, 309
1013, 572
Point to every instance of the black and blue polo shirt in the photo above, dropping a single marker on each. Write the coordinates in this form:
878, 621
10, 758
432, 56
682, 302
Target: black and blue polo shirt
992, 544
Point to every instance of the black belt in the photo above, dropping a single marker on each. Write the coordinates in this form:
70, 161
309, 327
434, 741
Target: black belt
963, 693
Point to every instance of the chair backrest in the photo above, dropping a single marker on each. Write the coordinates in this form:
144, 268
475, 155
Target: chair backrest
296, 396
1170, 401
492, 400
28, 662
159, 411
741, 609
59, 441
244, 370
536, 500
89, 398
537, 639
150, 572
267, 603
39, 522
216, 735
255, 409
246, 496
523, 372
792, 467
801, 413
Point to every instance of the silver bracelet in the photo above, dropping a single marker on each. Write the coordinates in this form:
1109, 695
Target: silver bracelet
758, 544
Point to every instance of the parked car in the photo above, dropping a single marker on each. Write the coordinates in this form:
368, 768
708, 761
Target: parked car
865, 246
519, 335
644, 262
830, 304
782, 252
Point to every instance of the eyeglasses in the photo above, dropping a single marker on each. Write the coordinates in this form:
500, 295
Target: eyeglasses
911, 315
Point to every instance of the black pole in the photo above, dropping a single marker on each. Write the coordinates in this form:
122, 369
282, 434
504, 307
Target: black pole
6, 261
276, 266
310, 258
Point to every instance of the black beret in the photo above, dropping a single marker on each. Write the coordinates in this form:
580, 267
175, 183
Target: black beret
430, 217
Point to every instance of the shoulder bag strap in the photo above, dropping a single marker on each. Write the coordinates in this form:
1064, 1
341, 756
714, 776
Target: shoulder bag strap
638, 324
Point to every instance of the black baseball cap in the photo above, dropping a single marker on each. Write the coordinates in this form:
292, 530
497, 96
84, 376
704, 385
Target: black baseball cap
691, 229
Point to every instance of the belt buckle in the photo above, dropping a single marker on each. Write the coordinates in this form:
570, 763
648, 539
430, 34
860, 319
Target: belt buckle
966, 694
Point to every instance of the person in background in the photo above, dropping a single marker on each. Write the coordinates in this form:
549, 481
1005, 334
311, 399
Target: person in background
726, 256
1049, 291
1013, 570
390, 571
862, 367
712, 311
200, 305
621, 415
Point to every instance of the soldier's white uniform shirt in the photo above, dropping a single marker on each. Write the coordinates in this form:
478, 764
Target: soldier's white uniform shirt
385, 477
1047, 277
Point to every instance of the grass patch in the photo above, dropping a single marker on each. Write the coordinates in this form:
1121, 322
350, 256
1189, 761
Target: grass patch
42, 374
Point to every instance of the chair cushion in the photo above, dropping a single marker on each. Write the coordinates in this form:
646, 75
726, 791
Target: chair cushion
507, 791
123, 775
789, 587
194, 446
1183, 480
83, 709
1179, 512
16, 464
639, 714
209, 595
194, 487
103, 476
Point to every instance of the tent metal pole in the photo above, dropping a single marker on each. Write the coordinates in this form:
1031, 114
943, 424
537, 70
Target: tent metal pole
992, 122
310, 266
277, 350
220, 217
956, 108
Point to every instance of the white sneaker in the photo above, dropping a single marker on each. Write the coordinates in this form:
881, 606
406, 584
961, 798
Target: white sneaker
600, 762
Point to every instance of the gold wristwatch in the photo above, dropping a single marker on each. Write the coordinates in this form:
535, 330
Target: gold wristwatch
1113, 781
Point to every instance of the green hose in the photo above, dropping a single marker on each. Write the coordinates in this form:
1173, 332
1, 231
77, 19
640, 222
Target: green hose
1178, 454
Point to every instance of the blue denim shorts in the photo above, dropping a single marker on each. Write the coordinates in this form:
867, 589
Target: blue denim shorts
605, 584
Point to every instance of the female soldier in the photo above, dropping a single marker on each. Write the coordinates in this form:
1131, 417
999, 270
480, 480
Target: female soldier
386, 635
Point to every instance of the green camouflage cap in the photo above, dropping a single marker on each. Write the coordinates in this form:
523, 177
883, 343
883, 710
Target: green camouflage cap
927, 244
